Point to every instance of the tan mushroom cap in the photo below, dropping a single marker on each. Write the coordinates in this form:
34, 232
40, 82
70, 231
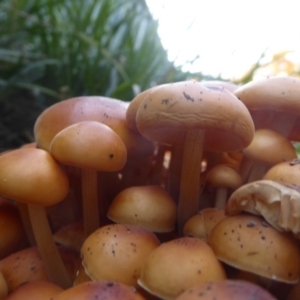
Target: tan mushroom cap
111, 112
177, 265
36, 290
100, 290
277, 203
273, 102
270, 147
150, 207
89, 144
201, 224
122, 248
247, 242
226, 290
182, 106
286, 172
26, 175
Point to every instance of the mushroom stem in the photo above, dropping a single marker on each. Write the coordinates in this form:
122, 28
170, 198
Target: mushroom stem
51, 258
190, 176
258, 171
90, 204
221, 197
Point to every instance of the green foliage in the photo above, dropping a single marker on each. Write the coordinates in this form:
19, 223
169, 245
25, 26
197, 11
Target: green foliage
69, 48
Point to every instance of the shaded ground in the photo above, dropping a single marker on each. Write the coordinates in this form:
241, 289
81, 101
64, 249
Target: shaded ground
17, 118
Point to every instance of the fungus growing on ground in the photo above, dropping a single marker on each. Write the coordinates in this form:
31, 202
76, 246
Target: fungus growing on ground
177, 265
32, 176
92, 147
192, 118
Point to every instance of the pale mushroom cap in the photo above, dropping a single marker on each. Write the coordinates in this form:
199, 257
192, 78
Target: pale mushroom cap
201, 224
178, 265
247, 242
270, 147
231, 87
226, 290
177, 107
271, 93
277, 203
89, 144
121, 247
99, 290
32, 175
150, 207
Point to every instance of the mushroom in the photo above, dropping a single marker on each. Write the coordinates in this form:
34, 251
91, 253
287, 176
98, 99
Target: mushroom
193, 118
35, 290
201, 224
267, 149
150, 207
100, 290
248, 243
122, 248
222, 179
32, 176
177, 265
229, 289
273, 102
279, 204
92, 147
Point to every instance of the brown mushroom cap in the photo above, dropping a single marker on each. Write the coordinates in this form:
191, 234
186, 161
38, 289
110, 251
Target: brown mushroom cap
26, 175
226, 290
273, 102
150, 207
177, 265
181, 106
270, 147
201, 224
100, 290
122, 248
89, 144
247, 242
35, 290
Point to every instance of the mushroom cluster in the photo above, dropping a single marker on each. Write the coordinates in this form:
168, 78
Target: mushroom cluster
191, 190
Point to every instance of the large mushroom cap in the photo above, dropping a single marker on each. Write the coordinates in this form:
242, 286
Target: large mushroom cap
247, 242
170, 109
89, 144
32, 175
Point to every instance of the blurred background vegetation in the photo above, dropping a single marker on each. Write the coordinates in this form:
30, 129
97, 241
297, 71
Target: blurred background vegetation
52, 50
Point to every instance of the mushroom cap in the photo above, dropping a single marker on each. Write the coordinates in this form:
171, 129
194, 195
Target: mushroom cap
247, 242
111, 112
279, 204
174, 108
286, 172
122, 247
89, 144
35, 290
201, 224
275, 93
150, 207
270, 147
226, 290
177, 265
99, 290
223, 176
32, 175
231, 87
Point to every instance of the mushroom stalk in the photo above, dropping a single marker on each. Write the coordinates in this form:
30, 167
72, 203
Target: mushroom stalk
221, 197
190, 176
90, 200
51, 258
